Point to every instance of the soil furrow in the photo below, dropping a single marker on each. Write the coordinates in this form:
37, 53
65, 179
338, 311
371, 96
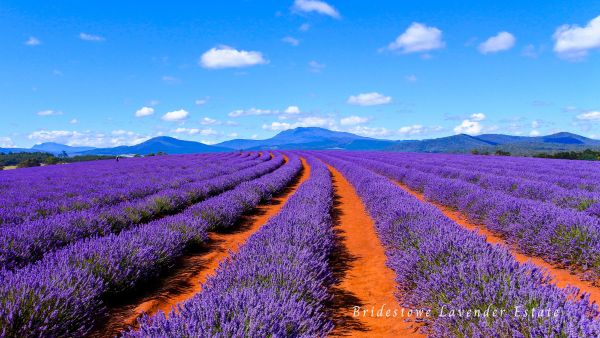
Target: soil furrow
560, 277
363, 279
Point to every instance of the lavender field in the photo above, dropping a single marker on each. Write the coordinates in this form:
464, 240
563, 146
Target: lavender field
522, 258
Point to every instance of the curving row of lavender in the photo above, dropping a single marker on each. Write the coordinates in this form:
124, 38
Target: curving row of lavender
275, 285
62, 294
577, 199
562, 236
28, 242
36, 193
443, 267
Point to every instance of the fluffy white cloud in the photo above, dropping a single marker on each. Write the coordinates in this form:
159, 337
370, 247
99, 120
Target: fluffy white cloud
589, 116
90, 37
418, 38
292, 110
304, 27
478, 117
144, 111
49, 113
316, 6
33, 41
172, 80
369, 99
6, 142
195, 131
313, 121
291, 41
574, 42
316, 67
353, 120
207, 121
251, 112
201, 102
411, 78
74, 121
88, 138
501, 41
468, 127
227, 57
370, 131
176, 115
534, 133
417, 129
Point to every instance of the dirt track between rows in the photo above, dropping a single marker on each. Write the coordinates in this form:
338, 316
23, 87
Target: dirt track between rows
363, 278
191, 271
561, 277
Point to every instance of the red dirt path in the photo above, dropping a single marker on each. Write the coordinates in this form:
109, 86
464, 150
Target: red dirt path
194, 269
364, 279
561, 277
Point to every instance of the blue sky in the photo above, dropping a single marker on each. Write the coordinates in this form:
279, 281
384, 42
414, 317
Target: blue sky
109, 73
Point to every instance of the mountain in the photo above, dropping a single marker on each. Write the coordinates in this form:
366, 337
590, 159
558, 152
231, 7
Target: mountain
300, 138
57, 148
14, 150
165, 144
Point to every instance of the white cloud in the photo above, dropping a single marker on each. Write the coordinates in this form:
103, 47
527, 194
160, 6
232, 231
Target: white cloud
176, 115
501, 41
144, 111
227, 57
569, 109
292, 110
468, 127
251, 112
313, 121
74, 121
90, 37
411, 78
418, 38
353, 120
33, 41
291, 41
195, 131
304, 27
478, 117
370, 131
201, 102
317, 6
172, 80
316, 67
534, 133
589, 116
88, 138
574, 42
369, 99
207, 121
417, 129
49, 113
6, 142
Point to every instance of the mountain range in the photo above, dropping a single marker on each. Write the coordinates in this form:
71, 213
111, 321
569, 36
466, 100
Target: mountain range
306, 138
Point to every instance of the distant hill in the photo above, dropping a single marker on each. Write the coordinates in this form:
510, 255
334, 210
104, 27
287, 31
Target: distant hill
165, 144
313, 138
57, 148
299, 138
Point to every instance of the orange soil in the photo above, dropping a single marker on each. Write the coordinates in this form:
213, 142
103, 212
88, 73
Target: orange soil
560, 277
363, 278
194, 269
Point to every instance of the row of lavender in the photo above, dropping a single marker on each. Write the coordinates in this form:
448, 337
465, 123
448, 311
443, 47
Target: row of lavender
443, 267
28, 242
275, 286
563, 236
62, 294
542, 170
577, 199
37, 193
